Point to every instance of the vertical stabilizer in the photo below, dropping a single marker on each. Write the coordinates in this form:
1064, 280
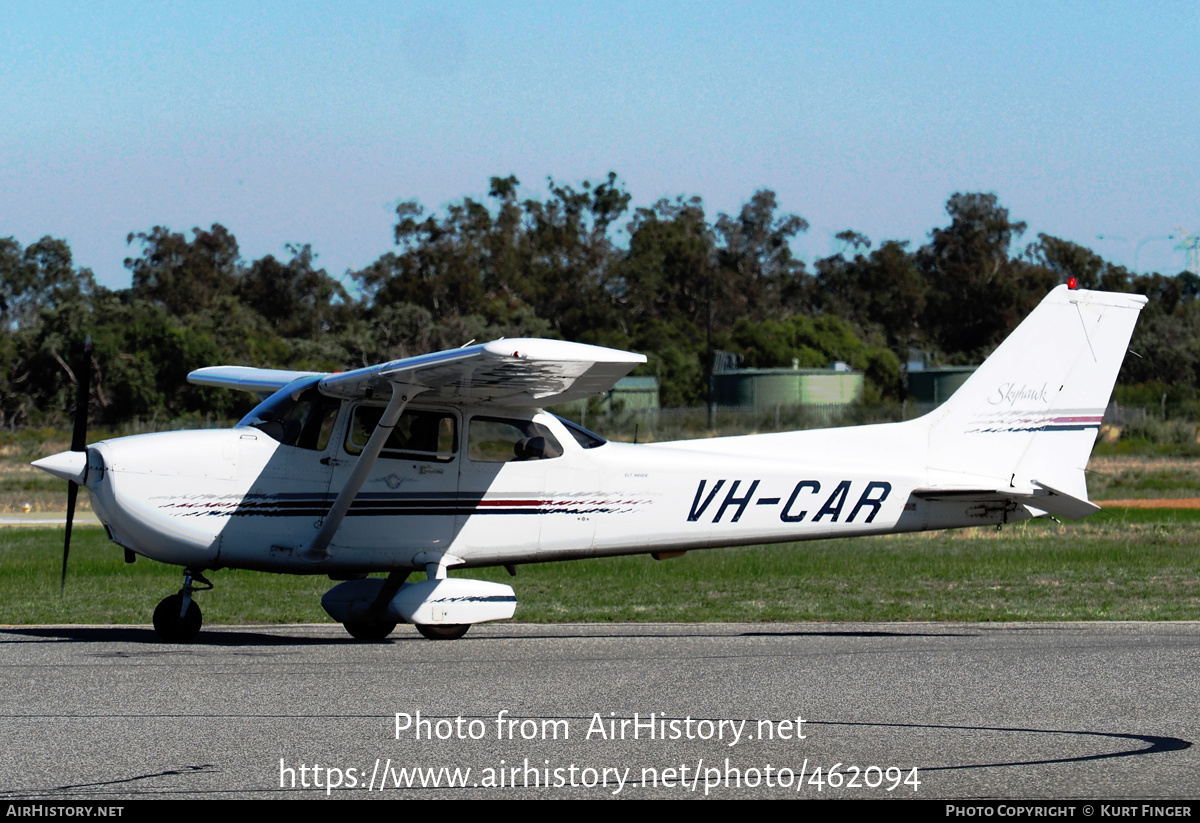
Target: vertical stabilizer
1030, 414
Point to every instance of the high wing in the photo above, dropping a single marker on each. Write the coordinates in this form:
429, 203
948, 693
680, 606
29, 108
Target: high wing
524, 372
247, 378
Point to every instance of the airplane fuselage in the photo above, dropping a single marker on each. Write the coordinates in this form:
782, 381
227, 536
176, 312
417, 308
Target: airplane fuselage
240, 498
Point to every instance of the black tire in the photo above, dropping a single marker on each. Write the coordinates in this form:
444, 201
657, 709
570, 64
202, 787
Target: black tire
443, 632
168, 624
369, 631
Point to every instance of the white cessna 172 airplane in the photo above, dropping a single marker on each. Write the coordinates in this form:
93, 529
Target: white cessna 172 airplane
446, 460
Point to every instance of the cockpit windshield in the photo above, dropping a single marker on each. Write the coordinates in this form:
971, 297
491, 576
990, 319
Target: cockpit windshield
296, 415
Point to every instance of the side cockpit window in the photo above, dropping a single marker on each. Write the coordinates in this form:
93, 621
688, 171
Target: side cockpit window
302, 418
501, 440
420, 434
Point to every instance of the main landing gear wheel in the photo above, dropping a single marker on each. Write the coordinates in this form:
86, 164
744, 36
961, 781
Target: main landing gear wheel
369, 631
443, 632
173, 628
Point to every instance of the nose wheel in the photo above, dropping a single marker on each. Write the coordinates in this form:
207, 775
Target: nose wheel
177, 618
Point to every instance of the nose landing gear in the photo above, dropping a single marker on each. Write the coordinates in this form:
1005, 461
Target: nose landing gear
177, 618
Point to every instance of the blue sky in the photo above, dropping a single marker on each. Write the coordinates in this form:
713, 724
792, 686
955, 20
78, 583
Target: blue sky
302, 123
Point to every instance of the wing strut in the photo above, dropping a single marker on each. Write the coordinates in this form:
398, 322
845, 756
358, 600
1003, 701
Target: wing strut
401, 394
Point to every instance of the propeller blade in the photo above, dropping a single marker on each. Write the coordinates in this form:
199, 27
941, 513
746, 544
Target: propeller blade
72, 493
78, 444
83, 388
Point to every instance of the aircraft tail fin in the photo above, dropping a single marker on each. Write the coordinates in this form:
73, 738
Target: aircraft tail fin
1029, 415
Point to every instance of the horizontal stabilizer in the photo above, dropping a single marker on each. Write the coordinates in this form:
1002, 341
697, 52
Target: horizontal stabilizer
1040, 497
1061, 503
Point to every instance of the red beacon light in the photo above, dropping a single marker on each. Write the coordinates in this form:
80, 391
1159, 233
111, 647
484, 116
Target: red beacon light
1072, 283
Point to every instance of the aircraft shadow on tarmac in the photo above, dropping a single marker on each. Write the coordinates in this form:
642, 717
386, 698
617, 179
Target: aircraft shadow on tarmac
1155, 744
859, 633
146, 636
248, 636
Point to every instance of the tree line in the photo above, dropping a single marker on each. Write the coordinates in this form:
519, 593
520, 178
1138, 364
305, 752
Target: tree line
579, 263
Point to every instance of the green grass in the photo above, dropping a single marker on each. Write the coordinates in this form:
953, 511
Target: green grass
1131, 564
102, 588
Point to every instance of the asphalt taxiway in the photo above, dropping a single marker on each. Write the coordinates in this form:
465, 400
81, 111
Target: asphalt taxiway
1063, 711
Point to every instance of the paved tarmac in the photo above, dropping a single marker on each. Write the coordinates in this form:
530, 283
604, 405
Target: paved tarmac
25, 520
1062, 711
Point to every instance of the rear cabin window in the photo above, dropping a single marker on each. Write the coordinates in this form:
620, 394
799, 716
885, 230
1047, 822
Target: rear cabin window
501, 440
430, 436
585, 438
